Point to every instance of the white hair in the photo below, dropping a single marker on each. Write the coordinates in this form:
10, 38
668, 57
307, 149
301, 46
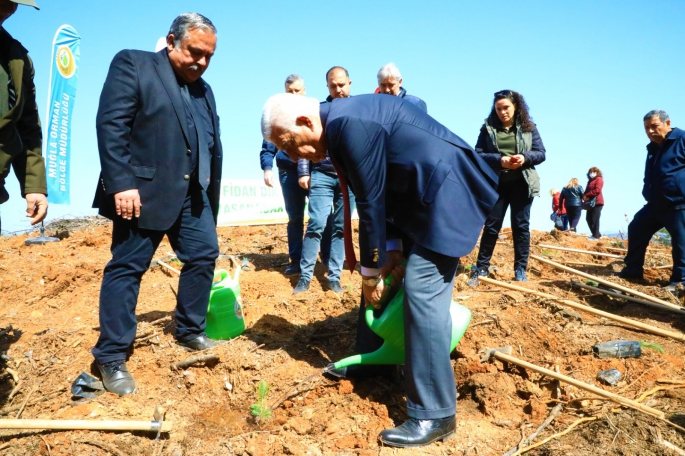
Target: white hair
283, 109
389, 70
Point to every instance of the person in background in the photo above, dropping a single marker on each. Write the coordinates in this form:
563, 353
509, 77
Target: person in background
294, 196
21, 138
321, 179
510, 143
390, 83
572, 199
559, 208
665, 206
594, 188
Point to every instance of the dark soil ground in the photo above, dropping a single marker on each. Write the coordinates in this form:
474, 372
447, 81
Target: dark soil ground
49, 295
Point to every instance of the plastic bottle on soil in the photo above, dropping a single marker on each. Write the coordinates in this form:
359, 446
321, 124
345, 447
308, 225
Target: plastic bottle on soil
225, 311
618, 349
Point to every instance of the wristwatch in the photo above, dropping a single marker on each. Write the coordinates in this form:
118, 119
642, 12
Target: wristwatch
372, 282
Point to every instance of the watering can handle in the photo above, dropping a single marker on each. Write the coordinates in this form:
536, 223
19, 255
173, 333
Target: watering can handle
369, 316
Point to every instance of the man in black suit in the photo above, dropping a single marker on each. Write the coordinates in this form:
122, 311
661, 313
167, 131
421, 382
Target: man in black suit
160, 153
420, 189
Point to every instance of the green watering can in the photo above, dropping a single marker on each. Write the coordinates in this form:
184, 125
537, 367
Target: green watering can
390, 327
225, 311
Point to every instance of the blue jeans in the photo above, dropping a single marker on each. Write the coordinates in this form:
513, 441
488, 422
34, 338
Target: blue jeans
514, 194
324, 194
295, 198
193, 238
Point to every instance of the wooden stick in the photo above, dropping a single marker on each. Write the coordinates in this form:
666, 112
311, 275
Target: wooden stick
663, 266
89, 425
558, 434
581, 263
589, 252
166, 266
578, 384
605, 282
626, 297
23, 405
669, 381
194, 360
592, 310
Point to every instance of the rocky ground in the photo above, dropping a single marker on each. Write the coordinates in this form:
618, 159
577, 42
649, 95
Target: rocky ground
49, 295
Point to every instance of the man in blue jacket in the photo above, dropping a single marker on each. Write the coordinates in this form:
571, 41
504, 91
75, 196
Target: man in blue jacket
294, 196
419, 188
390, 83
664, 190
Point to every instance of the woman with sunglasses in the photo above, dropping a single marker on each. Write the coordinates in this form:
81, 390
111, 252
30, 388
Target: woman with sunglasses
510, 143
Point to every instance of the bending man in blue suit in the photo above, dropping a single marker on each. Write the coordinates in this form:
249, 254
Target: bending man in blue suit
160, 152
419, 187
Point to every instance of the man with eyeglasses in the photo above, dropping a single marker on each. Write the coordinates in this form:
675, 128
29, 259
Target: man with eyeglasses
21, 140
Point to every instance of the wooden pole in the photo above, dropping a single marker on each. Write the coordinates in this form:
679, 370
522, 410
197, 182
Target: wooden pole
166, 266
589, 252
605, 282
576, 305
89, 425
578, 384
626, 297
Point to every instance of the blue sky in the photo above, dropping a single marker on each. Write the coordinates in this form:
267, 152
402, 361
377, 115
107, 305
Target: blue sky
589, 71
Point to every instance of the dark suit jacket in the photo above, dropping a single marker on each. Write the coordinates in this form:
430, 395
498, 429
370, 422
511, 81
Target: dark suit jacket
143, 139
21, 139
410, 171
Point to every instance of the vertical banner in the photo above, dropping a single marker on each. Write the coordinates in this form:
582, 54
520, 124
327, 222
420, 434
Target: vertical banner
61, 96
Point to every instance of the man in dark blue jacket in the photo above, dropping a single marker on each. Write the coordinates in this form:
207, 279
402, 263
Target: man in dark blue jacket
161, 155
419, 188
294, 196
390, 83
664, 190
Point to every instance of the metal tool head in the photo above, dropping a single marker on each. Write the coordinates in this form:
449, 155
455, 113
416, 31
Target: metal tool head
487, 353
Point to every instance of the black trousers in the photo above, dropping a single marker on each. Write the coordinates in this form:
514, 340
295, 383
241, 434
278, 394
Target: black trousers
646, 222
592, 219
573, 213
514, 194
193, 238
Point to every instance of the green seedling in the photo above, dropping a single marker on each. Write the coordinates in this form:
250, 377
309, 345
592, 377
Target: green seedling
592, 283
176, 262
261, 411
652, 345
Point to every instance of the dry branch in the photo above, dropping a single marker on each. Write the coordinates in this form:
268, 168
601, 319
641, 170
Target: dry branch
194, 360
636, 324
606, 282
626, 297
589, 252
559, 434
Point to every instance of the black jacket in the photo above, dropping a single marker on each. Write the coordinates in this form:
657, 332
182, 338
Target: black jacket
572, 197
143, 139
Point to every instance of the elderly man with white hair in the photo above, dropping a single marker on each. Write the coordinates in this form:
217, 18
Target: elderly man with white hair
390, 83
422, 194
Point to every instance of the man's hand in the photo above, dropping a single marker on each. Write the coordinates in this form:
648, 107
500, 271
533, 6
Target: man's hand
394, 266
36, 207
268, 178
373, 295
304, 182
128, 203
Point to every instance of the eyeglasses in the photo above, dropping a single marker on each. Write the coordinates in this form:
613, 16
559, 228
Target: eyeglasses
503, 93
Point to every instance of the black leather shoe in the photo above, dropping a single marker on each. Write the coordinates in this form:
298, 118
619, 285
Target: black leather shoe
292, 269
200, 343
335, 286
362, 371
116, 378
628, 276
301, 287
416, 433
